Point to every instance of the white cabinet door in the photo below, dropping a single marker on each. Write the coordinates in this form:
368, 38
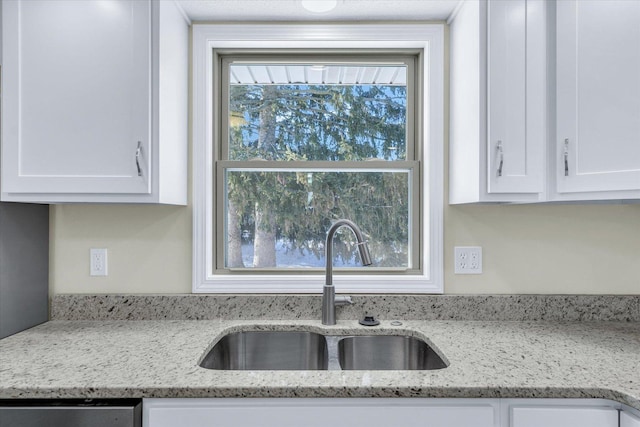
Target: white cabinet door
95, 101
76, 102
516, 95
559, 416
497, 143
598, 96
319, 413
627, 419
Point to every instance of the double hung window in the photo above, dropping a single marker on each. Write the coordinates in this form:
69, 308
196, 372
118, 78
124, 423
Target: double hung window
297, 139
305, 141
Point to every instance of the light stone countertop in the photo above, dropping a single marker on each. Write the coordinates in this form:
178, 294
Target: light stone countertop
159, 358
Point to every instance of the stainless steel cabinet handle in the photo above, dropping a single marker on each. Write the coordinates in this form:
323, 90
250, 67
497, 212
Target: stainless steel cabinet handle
566, 157
500, 157
138, 152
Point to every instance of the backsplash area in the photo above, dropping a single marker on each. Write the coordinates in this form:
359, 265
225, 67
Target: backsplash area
385, 307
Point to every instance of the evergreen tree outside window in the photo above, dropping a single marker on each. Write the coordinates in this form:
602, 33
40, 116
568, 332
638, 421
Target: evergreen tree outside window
329, 135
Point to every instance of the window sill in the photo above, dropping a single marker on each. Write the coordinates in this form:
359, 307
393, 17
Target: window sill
298, 284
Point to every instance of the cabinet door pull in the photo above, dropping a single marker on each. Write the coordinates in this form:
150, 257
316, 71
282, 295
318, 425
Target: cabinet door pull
500, 157
566, 157
138, 151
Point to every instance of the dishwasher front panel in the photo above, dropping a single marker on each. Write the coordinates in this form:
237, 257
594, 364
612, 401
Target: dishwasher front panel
58, 413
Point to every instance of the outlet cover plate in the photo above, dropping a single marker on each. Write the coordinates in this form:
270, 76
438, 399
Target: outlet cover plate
98, 262
467, 259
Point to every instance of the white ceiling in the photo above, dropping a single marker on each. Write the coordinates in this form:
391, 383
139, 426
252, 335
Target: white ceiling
292, 10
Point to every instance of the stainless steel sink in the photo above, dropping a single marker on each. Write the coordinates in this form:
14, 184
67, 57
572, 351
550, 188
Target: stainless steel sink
293, 350
266, 350
387, 352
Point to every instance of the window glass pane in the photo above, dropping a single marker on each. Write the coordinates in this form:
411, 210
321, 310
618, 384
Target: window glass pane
279, 219
317, 112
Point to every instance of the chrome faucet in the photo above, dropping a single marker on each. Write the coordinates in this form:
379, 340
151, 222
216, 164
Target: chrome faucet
329, 298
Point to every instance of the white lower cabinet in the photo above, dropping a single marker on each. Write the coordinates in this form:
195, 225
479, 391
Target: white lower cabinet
385, 412
542, 415
320, 412
629, 419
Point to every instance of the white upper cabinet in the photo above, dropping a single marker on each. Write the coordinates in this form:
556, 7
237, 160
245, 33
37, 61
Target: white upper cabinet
95, 101
545, 101
598, 99
516, 95
498, 101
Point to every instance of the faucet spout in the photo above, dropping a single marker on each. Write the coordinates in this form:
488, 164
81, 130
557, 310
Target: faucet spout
329, 299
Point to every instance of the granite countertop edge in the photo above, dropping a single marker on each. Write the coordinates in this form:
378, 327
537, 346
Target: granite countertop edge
159, 359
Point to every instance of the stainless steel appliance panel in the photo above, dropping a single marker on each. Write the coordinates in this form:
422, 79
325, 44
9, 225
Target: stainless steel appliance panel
70, 414
24, 266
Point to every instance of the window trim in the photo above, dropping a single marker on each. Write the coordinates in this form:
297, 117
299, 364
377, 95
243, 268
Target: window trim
429, 37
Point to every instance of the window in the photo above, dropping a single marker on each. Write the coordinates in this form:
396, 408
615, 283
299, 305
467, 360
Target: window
293, 131
306, 140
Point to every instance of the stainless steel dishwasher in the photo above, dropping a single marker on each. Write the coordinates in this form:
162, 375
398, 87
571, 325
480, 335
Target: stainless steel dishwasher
71, 413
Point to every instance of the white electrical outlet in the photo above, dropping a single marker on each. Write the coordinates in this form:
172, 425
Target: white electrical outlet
98, 262
467, 259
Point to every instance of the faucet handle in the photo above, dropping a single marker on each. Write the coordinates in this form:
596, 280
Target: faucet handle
343, 300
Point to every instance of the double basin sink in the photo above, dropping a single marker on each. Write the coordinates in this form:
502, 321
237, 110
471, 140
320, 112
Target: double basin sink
294, 350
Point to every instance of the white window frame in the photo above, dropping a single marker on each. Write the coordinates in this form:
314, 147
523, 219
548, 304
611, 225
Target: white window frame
430, 38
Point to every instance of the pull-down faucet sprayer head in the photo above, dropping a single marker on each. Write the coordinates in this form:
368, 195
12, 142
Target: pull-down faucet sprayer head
365, 255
